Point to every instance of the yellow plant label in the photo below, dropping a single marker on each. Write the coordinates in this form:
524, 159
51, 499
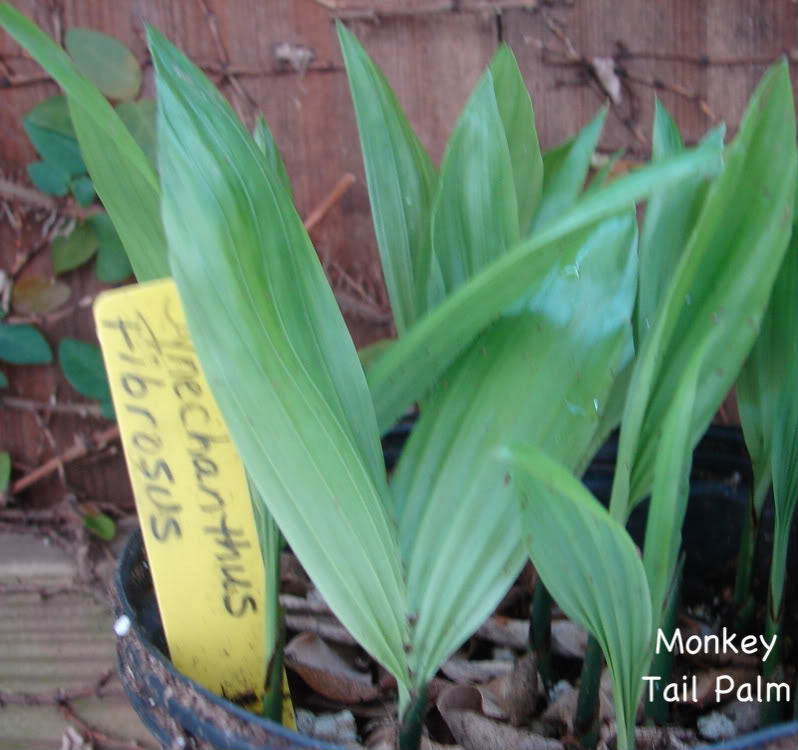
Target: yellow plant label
191, 495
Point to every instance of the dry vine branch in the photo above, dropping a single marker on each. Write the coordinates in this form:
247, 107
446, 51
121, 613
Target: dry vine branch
11, 190
57, 697
86, 411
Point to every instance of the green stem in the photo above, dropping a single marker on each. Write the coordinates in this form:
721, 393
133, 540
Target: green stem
413, 721
586, 719
540, 631
745, 564
273, 699
772, 669
662, 664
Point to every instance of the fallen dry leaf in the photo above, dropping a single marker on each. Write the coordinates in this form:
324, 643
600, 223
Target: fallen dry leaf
460, 669
461, 708
517, 691
564, 708
327, 671
568, 639
650, 738
386, 738
604, 68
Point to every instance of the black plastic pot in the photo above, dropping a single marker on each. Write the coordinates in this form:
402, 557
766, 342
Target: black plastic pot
181, 713
178, 711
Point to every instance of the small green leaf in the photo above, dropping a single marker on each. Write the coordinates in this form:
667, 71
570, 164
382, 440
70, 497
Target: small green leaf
5, 470
24, 345
82, 364
105, 61
56, 148
589, 563
75, 250
401, 181
83, 190
123, 177
3, 380
565, 169
113, 265
515, 108
100, 525
140, 119
52, 114
49, 177
475, 212
37, 296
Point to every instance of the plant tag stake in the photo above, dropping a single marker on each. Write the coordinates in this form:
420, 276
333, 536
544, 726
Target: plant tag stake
191, 494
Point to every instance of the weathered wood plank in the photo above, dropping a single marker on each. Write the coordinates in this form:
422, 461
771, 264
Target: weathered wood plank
658, 49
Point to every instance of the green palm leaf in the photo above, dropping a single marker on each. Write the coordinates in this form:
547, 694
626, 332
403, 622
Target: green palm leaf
401, 181
277, 355
413, 364
602, 584
541, 376
720, 287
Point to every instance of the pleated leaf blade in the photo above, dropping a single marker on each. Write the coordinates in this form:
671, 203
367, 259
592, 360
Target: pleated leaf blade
670, 491
541, 376
414, 363
768, 400
401, 181
518, 119
277, 354
565, 169
602, 584
669, 219
720, 287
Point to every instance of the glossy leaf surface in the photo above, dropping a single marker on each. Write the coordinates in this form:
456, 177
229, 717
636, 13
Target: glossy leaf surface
277, 355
